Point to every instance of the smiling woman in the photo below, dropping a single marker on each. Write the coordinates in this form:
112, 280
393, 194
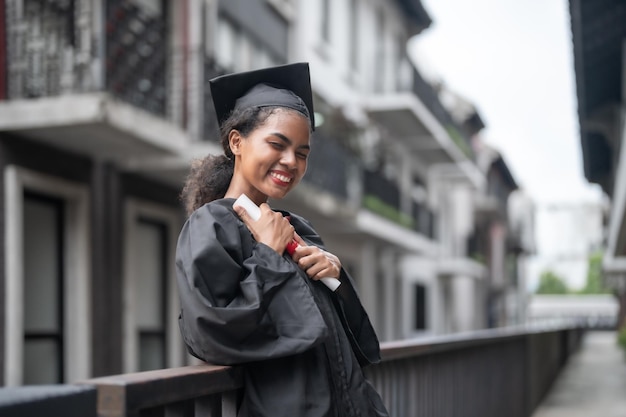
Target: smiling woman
272, 158
243, 299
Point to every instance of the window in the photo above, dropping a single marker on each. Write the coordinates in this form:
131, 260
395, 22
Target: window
353, 23
150, 288
379, 53
236, 50
225, 43
420, 307
151, 336
43, 290
47, 279
245, 51
325, 21
511, 269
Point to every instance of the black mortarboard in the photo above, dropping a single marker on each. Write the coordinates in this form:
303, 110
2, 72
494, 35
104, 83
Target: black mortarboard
285, 86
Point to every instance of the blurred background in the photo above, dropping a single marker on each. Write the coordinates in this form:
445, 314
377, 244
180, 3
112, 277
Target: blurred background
467, 165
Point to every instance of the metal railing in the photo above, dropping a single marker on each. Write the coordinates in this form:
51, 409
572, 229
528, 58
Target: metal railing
498, 372
424, 220
210, 127
377, 185
57, 47
429, 97
501, 372
329, 165
136, 55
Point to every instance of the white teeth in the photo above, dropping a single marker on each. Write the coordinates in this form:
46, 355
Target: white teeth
282, 178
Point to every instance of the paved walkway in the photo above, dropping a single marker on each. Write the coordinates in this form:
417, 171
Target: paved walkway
593, 383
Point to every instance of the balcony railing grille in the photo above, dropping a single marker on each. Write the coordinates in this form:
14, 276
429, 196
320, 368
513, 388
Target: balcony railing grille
40, 38
210, 126
377, 185
382, 196
429, 97
424, 220
136, 54
328, 165
49, 46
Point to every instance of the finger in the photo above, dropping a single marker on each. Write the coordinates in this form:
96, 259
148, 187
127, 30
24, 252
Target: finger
306, 260
265, 208
290, 226
299, 240
242, 213
316, 271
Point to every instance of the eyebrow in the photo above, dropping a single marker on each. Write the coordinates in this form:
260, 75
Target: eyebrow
288, 141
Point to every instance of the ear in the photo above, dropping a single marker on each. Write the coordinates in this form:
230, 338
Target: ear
234, 141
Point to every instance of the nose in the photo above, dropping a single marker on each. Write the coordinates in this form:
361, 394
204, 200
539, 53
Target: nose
288, 159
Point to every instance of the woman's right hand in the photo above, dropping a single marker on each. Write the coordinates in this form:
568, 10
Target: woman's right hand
271, 229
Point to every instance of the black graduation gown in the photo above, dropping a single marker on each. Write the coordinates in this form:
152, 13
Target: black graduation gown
242, 303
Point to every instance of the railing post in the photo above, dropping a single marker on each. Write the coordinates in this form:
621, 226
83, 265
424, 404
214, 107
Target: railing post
229, 404
209, 406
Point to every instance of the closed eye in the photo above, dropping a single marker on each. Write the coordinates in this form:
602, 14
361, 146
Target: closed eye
302, 152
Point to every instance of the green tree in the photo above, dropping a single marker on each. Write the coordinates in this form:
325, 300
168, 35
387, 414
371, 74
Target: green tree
594, 283
551, 283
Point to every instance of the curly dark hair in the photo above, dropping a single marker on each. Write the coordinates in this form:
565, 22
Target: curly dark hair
209, 177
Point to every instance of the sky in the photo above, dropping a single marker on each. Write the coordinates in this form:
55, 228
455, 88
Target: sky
514, 61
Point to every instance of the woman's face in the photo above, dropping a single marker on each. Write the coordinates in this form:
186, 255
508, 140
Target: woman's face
272, 159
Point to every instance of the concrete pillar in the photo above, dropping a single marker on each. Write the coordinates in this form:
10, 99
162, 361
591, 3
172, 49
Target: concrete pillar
390, 300
195, 70
405, 301
435, 308
463, 303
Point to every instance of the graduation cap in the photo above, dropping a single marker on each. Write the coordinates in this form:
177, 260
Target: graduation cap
284, 86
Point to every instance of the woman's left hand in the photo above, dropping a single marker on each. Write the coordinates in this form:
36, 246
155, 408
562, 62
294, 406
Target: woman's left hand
317, 263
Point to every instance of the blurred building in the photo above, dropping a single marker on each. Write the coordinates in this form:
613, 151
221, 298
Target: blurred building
103, 106
599, 35
570, 234
504, 228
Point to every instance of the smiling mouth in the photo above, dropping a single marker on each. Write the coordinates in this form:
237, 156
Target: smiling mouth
281, 178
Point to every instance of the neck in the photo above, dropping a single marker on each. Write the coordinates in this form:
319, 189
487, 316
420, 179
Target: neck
234, 191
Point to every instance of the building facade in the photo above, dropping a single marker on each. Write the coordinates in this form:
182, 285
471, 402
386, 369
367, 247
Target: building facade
599, 39
104, 104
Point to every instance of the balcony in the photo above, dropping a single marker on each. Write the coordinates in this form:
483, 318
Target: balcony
382, 196
210, 128
136, 55
50, 52
424, 220
109, 102
419, 120
329, 165
499, 372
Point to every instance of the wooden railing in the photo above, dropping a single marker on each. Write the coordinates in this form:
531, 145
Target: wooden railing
504, 372
201, 390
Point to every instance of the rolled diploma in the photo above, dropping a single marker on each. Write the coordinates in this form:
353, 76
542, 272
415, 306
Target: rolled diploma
255, 213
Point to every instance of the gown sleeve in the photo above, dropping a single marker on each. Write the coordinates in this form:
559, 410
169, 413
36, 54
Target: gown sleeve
353, 316
240, 300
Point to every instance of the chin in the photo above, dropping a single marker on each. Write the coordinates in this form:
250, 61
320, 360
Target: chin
278, 195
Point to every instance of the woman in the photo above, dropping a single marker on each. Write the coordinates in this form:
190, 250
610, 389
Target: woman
244, 300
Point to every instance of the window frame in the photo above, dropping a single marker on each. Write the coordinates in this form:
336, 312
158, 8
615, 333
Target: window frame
58, 336
77, 277
134, 210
